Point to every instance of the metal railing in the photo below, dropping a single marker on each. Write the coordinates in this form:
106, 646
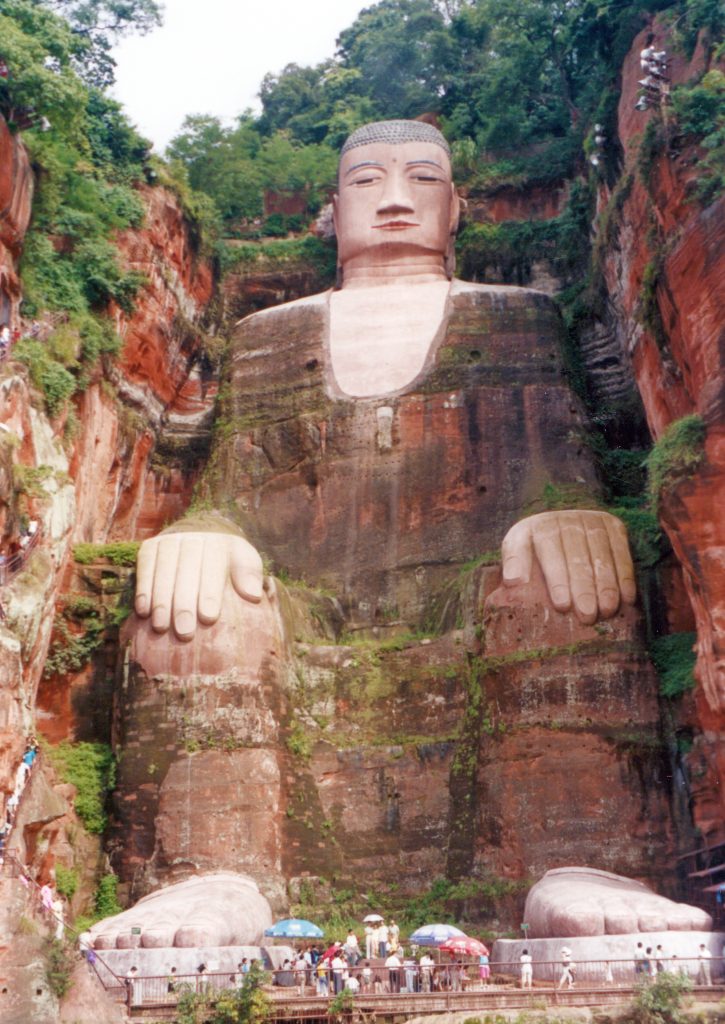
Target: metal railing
448, 978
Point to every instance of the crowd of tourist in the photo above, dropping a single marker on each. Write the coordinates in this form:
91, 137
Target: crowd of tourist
392, 970
22, 774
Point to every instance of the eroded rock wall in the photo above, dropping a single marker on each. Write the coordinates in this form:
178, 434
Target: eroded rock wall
669, 255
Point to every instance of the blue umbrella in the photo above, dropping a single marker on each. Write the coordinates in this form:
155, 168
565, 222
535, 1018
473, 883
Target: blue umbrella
435, 934
294, 928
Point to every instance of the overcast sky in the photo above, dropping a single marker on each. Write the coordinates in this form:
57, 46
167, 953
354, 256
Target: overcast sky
211, 55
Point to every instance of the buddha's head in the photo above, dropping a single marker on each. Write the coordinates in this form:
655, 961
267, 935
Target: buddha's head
396, 209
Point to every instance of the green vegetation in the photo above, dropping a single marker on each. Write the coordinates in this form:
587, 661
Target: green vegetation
66, 881
105, 898
660, 1001
117, 553
675, 456
299, 743
700, 110
91, 768
248, 1004
70, 651
60, 959
674, 658
283, 253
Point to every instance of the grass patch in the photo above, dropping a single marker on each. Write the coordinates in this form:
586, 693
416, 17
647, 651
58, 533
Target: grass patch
118, 553
91, 768
674, 659
676, 456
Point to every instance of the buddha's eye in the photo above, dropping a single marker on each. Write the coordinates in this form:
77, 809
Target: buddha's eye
425, 177
367, 181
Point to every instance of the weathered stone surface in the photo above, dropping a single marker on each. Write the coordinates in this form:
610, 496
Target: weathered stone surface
684, 374
580, 901
16, 194
318, 488
220, 909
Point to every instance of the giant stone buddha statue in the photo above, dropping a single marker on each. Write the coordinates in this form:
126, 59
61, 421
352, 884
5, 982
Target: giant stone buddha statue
372, 439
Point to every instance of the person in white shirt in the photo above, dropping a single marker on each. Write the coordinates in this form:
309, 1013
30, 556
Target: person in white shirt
369, 941
527, 971
383, 934
393, 964
704, 976
427, 963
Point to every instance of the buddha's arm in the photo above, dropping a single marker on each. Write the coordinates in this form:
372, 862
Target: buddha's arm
182, 575
584, 556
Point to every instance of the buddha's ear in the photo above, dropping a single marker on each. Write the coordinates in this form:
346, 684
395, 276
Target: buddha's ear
335, 206
455, 215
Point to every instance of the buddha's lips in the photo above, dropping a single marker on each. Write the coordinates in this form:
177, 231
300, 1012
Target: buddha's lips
396, 225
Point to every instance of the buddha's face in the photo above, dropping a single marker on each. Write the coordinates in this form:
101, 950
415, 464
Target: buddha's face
395, 202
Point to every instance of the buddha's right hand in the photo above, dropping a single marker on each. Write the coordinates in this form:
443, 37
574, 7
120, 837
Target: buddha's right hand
181, 578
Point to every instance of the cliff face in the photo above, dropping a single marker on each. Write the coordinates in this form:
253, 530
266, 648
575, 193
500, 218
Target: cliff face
16, 194
670, 251
114, 479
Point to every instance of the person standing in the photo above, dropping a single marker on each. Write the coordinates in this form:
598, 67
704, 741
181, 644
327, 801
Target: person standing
639, 958
323, 978
338, 966
527, 970
383, 935
704, 976
426, 971
394, 935
352, 948
484, 968
567, 969
369, 942
660, 960
393, 964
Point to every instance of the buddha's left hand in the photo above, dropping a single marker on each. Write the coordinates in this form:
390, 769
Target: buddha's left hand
584, 556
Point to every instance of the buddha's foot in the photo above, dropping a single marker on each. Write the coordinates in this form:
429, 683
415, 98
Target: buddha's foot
220, 909
570, 902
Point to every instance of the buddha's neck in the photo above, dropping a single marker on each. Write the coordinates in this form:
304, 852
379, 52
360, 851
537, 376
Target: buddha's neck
422, 271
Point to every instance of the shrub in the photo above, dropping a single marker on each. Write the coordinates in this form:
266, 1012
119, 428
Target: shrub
674, 658
59, 962
117, 553
676, 455
105, 898
90, 767
55, 382
660, 1001
66, 881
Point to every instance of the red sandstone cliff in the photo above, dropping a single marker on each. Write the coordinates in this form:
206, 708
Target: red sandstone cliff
662, 224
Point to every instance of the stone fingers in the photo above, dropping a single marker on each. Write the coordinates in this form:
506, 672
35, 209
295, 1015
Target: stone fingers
167, 557
579, 566
517, 554
186, 584
602, 561
619, 543
145, 567
552, 559
214, 575
246, 570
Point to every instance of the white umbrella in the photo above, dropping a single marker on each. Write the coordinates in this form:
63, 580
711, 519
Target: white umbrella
372, 919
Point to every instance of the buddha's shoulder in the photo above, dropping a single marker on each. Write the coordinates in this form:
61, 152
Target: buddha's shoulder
467, 294
308, 305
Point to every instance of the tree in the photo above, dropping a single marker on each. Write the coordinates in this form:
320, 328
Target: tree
402, 50
97, 24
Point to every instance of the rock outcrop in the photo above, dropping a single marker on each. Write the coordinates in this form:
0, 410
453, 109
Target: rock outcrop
16, 194
665, 277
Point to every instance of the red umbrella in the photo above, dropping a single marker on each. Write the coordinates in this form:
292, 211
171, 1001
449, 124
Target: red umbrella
464, 946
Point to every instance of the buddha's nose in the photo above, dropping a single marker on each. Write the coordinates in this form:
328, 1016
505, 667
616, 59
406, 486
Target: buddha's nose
396, 196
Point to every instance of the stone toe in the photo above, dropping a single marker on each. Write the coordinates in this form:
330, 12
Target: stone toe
105, 940
196, 934
160, 935
580, 917
652, 920
619, 917
128, 939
